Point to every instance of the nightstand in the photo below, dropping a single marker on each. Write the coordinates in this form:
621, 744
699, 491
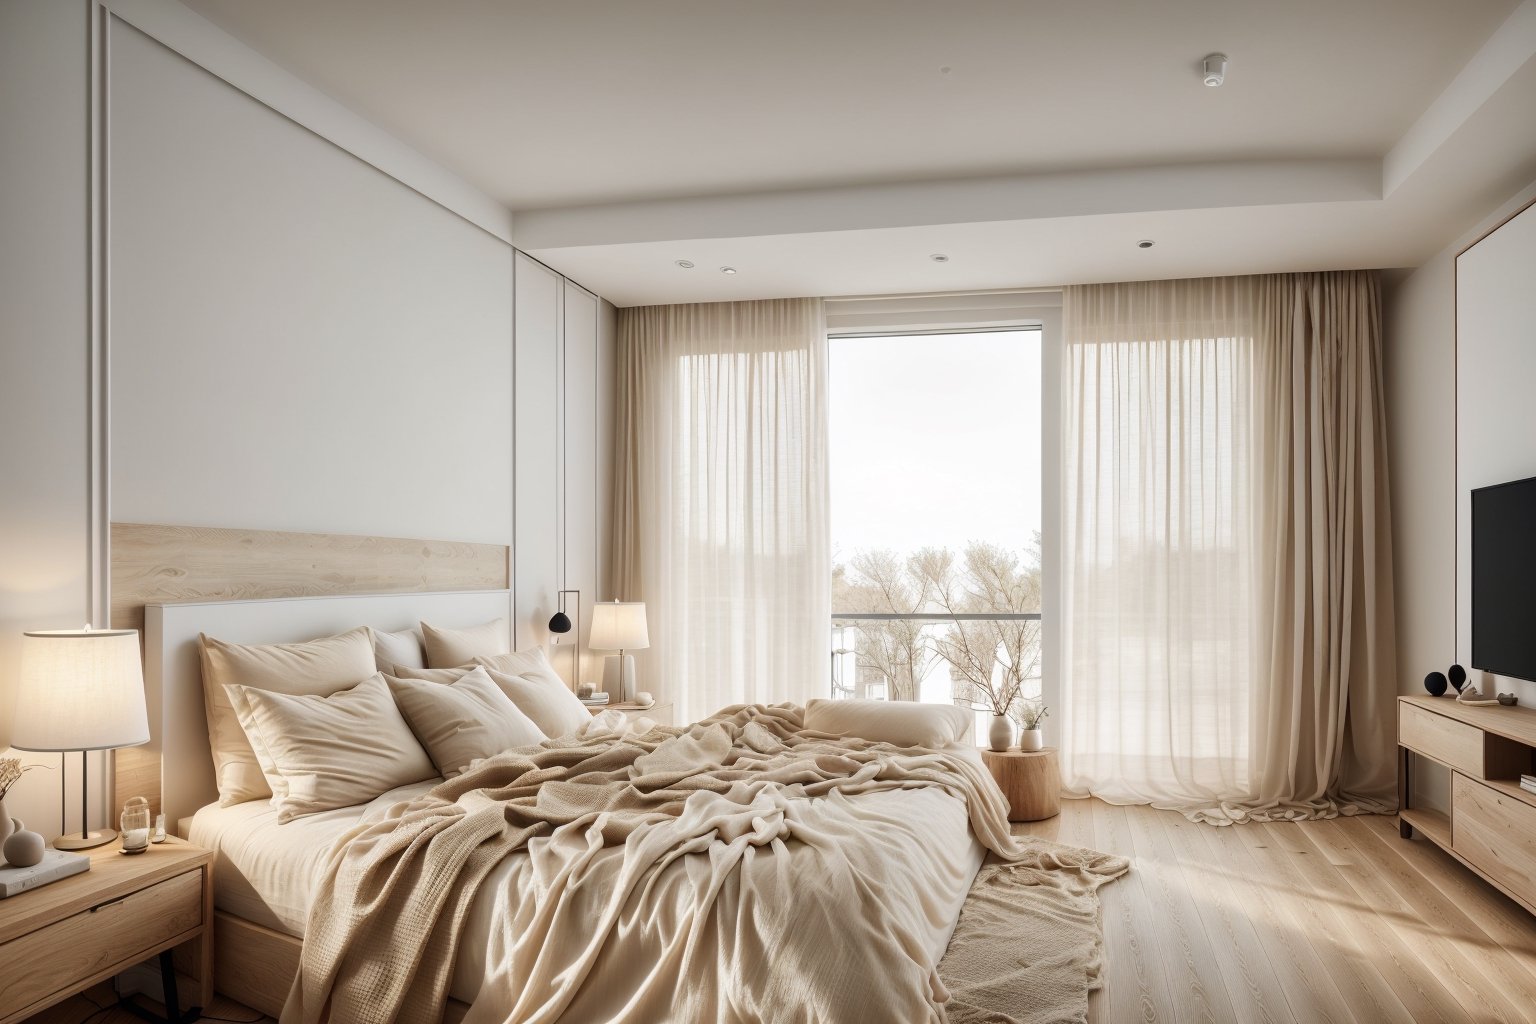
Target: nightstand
660, 712
62, 938
1030, 779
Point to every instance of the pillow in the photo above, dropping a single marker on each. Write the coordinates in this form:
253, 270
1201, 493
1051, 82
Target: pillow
449, 647
532, 662
462, 721
901, 722
434, 675
324, 752
317, 668
397, 650
547, 700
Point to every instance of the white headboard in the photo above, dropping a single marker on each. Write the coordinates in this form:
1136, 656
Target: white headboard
173, 680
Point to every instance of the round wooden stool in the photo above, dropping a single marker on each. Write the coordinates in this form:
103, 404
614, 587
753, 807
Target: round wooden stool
1030, 779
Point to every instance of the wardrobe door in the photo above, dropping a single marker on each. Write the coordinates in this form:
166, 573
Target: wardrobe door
581, 467
539, 466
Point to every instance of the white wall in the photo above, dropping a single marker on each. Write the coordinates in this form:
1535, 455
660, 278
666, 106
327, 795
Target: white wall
44, 340
1423, 419
299, 341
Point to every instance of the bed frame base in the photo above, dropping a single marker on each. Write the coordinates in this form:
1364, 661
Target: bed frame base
256, 966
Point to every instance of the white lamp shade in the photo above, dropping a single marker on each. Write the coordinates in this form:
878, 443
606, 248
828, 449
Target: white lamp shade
80, 690
619, 626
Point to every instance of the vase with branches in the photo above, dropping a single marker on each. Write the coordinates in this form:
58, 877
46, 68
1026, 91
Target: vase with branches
1031, 713
11, 772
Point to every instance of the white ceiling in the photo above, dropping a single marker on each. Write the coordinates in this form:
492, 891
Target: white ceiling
820, 145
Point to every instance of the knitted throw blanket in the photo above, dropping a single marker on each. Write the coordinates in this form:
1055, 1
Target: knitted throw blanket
659, 884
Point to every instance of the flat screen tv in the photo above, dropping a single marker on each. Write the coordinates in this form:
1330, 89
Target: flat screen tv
1504, 579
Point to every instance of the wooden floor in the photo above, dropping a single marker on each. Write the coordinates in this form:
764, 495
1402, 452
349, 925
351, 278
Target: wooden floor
95, 1007
1313, 922
1337, 920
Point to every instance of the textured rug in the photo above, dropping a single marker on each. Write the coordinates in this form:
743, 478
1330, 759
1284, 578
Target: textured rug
1029, 943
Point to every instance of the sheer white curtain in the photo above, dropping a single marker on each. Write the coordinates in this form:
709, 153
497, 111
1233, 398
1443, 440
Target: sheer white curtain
1226, 549
721, 516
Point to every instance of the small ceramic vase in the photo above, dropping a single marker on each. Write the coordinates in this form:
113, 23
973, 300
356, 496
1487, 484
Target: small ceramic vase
23, 849
8, 825
1000, 734
1031, 739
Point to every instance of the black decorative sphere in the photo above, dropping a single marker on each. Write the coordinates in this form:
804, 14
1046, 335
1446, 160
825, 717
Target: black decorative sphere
1435, 684
560, 623
1458, 677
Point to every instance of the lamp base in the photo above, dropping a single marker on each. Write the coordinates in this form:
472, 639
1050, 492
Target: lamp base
619, 676
89, 841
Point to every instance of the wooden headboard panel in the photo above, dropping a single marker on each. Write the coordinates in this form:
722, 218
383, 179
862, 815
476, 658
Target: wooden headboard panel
164, 564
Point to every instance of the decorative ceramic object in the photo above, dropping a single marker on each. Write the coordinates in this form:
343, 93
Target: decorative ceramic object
1000, 735
644, 699
586, 690
1509, 700
1436, 684
24, 849
1031, 739
1458, 677
8, 825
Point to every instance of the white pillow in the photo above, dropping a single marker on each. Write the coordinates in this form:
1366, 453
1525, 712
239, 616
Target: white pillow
392, 651
904, 723
462, 721
449, 647
317, 668
335, 751
435, 675
545, 699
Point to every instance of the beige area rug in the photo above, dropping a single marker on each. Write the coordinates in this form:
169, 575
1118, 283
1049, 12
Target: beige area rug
1029, 943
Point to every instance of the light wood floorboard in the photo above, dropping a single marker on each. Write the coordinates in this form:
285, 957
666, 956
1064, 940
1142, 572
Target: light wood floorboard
1318, 921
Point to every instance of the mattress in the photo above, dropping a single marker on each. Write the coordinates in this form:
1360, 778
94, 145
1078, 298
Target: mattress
268, 873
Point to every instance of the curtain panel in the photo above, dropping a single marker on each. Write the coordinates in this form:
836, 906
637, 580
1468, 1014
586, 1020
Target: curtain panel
721, 519
1227, 615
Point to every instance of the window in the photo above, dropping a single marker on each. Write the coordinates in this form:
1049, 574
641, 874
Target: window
936, 491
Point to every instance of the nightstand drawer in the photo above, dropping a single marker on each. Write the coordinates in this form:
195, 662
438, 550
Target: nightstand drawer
1444, 739
109, 937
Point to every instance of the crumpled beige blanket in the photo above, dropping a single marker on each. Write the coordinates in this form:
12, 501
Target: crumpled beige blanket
660, 892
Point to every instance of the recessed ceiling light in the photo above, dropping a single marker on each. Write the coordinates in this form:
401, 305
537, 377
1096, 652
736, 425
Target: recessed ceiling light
685, 264
938, 257
727, 270
1145, 243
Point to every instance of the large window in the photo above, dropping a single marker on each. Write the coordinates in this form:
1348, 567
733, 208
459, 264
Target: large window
936, 488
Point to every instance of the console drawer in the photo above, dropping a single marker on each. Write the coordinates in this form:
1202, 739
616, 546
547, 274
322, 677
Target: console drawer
1496, 833
1446, 740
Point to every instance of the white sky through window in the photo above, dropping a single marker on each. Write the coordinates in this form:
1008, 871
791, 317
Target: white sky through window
934, 441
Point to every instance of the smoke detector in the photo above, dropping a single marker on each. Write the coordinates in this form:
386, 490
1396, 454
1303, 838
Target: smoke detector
1214, 69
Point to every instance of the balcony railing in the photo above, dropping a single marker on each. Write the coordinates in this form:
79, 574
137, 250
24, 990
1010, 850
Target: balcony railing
931, 681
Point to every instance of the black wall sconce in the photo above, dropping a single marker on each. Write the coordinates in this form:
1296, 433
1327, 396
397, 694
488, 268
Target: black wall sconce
560, 623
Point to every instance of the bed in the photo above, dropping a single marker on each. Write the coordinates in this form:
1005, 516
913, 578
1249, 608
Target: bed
268, 875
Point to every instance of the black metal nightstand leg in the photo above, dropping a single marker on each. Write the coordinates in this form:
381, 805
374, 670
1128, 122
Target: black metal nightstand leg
173, 1012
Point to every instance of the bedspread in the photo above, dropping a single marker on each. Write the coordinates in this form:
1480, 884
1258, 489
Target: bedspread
742, 869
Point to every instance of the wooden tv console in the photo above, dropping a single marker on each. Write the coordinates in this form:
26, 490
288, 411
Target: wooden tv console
1492, 825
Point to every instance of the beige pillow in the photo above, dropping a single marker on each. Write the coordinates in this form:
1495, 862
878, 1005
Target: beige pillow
318, 668
322, 752
533, 661
449, 647
462, 721
397, 650
545, 699
435, 675
901, 722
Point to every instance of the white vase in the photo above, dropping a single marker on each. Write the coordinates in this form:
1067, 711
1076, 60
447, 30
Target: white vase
1031, 739
1000, 735
7, 827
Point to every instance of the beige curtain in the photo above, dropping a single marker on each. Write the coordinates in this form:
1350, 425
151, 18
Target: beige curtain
1227, 588
721, 519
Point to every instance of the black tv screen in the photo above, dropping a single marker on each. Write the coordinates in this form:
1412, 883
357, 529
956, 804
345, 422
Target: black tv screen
1504, 579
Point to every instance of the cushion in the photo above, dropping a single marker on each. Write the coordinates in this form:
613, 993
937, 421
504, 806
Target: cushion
449, 647
545, 699
904, 723
462, 721
322, 752
317, 668
397, 650
434, 675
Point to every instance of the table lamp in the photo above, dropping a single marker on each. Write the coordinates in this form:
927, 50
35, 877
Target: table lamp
619, 626
81, 689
